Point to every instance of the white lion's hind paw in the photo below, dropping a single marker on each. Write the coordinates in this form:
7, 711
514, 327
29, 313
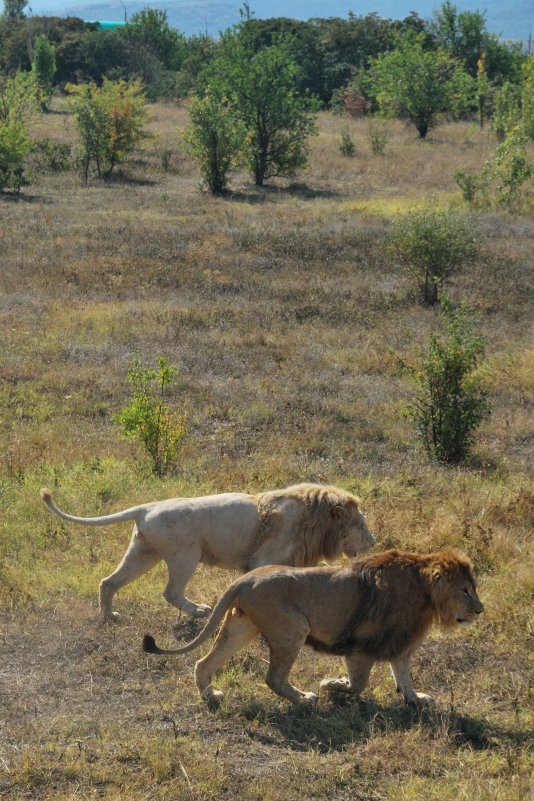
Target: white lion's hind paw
201, 610
419, 699
308, 699
212, 697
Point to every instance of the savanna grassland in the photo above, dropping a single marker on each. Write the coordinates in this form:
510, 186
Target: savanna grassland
287, 321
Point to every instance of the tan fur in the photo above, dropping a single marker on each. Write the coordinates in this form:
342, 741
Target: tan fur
299, 525
379, 608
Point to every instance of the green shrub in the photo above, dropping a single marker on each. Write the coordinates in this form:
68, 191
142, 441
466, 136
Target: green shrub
432, 245
148, 418
51, 156
347, 147
450, 402
110, 122
215, 139
468, 183
512, 167
14, 148
378, 136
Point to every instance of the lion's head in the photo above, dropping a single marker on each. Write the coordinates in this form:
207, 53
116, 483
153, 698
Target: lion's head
453, 589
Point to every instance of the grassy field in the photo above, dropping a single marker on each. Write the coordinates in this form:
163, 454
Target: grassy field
286, 321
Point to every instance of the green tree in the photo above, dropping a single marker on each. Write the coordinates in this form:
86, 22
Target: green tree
460, 33
44, 68
150, 29
148, 417
14, 9
431, 245
506, 110
411, 82
110, 122
215, 138
17, 104
261, 87
527, 97
450, 402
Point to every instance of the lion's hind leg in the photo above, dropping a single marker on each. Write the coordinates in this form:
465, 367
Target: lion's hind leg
284, 648
236, 631
138, 559
181, 567
359, 669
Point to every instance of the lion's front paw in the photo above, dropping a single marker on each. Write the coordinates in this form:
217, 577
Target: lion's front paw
341, 685
111, 617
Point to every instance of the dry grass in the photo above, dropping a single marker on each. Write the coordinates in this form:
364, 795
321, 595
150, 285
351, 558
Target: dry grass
284, 317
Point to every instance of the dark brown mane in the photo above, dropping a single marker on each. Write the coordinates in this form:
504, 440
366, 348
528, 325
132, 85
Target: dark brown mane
396, 600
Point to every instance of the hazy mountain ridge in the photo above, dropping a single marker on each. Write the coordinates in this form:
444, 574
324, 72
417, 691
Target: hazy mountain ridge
512, 20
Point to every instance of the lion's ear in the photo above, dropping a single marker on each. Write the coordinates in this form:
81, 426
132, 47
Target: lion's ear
339, 512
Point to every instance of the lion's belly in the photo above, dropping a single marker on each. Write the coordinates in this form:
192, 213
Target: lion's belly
222, 526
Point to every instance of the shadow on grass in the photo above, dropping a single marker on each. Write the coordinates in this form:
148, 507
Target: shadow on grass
263, 194
337, 723
20, 197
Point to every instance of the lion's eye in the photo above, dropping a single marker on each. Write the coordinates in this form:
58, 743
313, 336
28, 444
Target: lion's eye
466, 591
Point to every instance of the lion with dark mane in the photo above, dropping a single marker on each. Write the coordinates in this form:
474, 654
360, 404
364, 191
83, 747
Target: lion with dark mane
379, 608
299, 525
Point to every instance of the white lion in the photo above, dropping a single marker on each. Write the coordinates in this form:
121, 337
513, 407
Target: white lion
296, 526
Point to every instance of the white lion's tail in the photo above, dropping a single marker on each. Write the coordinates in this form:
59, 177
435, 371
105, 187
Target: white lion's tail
118, 517
221, 608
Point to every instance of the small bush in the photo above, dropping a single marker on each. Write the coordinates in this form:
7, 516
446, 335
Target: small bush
432, 245
450, 403
51, 156
468, 183
347, 147
378, 136
148, 419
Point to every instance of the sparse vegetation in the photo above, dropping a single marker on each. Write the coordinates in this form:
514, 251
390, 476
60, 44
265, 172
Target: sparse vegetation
282, 312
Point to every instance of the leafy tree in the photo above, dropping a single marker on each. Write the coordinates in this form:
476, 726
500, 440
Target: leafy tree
512, 167
109, 120
149, 29
18, 98
14, 9
261, 87
527, 97
15, 146
412, 83
460, 33
450, 403
215, 138
506, 110
44, 68
148, 418
483, 89
431, 245
17, 104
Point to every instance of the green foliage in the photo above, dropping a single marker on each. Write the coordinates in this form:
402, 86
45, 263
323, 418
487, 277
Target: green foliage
451, 402
18, 98
14, 148
468, 183
44, 68
17, 104
378, 136
51, 156
110, 122
506, 110
150, 31
261, 87
512, 167
413, 83
148, 418
347, 146
432, 245
483, 90
527, 97
215, 138
14, 9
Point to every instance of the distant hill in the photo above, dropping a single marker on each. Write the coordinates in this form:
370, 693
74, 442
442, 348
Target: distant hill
511, 20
